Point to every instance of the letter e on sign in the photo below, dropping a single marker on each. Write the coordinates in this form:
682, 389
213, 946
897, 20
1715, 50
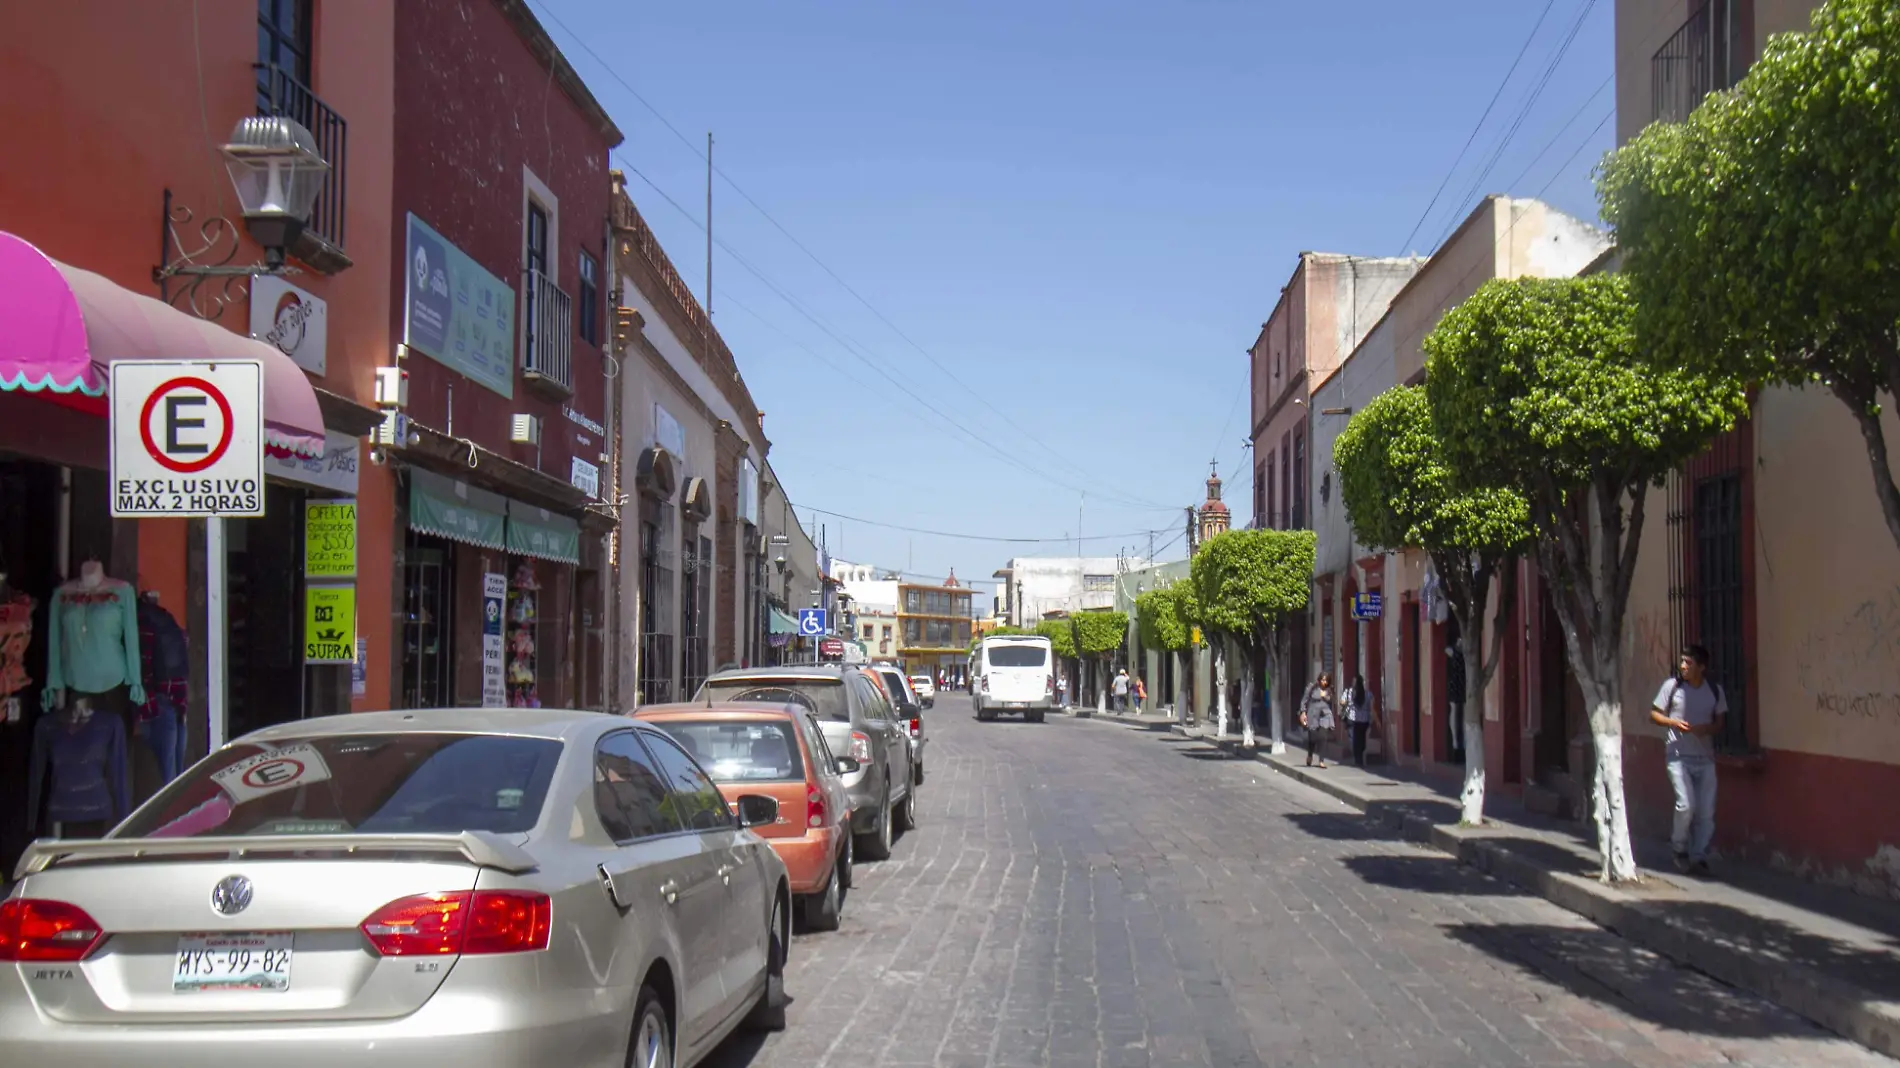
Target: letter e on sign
187, 438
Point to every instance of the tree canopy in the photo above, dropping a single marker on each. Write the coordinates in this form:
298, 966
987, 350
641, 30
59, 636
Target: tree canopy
1400, 493
1162, 616
1060, 634
1759, 234
1246, 581
1102, 632
1535, 384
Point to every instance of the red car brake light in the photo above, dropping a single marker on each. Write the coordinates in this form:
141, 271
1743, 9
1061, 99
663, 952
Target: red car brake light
34, 930
461, 921
814, 805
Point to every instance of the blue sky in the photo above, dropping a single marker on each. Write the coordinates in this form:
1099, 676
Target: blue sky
1082, 211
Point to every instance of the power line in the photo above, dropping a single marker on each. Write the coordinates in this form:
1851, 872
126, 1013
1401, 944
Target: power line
1521, 52
1065, 539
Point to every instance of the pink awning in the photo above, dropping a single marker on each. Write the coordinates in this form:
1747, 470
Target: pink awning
61, 327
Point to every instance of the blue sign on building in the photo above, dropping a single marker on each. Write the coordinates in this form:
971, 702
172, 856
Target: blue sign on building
811, 622
1368, 605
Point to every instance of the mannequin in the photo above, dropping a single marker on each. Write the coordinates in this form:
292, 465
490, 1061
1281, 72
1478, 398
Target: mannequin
164, 669
94, 635
79, 765
16, 633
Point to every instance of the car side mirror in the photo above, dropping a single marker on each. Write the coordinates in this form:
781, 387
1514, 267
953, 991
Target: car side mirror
757, 810
849, 765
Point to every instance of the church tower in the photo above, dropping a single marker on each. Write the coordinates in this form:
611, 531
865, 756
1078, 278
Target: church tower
1214, 517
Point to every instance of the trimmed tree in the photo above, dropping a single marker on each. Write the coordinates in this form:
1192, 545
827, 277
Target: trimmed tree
1162, 618
1759, 235
1400, 493
1535, 384
1248, 584
1101, 634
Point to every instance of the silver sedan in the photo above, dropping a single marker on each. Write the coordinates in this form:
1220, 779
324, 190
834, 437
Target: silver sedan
493, 887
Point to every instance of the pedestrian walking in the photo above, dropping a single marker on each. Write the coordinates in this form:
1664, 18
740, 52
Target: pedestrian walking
1316, 715
1141, 693
1455, 694
1120, 689
1062, 691
1693, 708
1359, 718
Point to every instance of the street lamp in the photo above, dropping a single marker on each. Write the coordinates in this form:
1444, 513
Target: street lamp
277, 173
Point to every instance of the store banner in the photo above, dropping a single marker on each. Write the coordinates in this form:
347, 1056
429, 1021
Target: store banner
456, 510
290, 320
329, 626
494, 595
334, 471
329, 540
456, 313
542, 534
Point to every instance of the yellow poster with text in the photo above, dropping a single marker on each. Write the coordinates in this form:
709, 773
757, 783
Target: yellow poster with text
329, 625
329, 540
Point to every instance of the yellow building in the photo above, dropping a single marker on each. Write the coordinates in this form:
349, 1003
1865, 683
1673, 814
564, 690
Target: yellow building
934, 625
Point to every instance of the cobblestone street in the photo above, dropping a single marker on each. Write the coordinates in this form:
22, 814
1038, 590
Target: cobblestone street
1087, 893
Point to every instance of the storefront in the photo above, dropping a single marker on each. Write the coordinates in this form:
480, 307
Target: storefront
489, 600
102, 643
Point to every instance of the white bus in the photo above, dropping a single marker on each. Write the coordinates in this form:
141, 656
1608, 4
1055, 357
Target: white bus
1013, 673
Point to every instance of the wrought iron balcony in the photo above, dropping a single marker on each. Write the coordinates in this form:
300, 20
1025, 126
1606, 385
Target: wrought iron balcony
280, 93
1707, 54
547, 359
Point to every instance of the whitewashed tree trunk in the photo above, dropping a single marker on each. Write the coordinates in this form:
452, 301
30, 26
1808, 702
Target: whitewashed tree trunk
1471, 798
1181, 665
1220, 687
1246, 702
1101, 688
1277, 697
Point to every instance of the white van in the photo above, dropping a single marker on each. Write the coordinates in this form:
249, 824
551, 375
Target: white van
1013, 673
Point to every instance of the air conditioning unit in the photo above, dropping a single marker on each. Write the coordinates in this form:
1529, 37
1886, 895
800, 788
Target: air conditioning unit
527, 430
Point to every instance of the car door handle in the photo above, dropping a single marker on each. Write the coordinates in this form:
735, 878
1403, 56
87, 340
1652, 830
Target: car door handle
670, 890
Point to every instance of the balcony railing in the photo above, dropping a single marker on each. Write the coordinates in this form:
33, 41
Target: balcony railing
1707, 54
548, 355
279, 93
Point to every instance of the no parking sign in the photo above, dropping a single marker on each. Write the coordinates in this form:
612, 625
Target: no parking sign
187, 438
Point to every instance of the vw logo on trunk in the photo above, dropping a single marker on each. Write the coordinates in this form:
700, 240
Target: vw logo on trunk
232, 895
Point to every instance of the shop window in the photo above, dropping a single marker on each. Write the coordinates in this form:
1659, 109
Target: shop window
590, 300
523, 636
428, 591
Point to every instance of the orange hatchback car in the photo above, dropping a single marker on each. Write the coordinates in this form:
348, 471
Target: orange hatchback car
778, 751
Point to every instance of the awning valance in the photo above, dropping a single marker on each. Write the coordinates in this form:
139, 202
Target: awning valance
542, 534
456, 510
61, 327
780, 623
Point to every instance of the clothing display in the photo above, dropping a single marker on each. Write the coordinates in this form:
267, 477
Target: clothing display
16, 633
93, 622
78, 767
522, 617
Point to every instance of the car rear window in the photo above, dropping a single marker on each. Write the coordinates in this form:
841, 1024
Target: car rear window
357, 784
740, 751
1017, 656
825, 697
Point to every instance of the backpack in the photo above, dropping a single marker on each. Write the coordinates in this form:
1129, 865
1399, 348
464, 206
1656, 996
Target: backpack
170, 662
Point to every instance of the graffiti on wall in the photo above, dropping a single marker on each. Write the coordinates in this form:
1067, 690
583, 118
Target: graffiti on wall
1849, 668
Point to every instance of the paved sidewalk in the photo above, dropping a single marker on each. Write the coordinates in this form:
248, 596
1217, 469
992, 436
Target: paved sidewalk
1829, 955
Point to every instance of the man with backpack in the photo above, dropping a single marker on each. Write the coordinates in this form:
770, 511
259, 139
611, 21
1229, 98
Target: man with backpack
1692, 708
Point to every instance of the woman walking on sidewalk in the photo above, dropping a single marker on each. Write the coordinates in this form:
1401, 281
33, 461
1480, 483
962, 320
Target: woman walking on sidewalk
1316, 715
1359, 718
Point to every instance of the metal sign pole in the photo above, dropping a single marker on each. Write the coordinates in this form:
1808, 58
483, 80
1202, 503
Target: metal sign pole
216, 672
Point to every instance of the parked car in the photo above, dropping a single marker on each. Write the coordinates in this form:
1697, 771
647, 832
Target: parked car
472, 886
910, 709
858, 721
1014, 673
926, 689
778, 751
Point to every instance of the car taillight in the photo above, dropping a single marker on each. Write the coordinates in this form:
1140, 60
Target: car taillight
986, 683
861, 747
32, 930
815, 806
1048, 684
461, 921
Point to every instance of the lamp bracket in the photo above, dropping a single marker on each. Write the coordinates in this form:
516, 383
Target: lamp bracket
209, 282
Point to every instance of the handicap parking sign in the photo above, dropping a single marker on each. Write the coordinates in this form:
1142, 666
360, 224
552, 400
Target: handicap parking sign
811, 622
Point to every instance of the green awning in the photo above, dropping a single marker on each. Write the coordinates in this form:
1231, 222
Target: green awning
542, 534
780, 623
455, 510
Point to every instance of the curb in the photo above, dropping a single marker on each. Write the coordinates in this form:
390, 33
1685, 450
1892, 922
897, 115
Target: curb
1843, 1008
